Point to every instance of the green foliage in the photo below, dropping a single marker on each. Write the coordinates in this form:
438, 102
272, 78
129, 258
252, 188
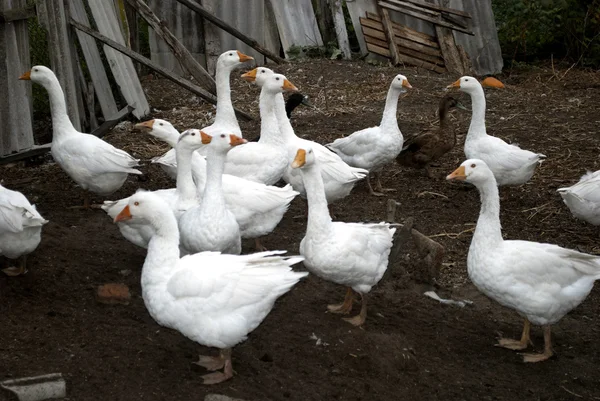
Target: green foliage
535, 29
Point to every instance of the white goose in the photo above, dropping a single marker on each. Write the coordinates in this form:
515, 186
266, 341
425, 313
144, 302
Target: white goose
210, 226
351, 254
541, 282
373, 148
511, 165
179, 199
225, 120
583, 198
258, 208
93, 164
213, 299
338, 177
20, 229
264, 161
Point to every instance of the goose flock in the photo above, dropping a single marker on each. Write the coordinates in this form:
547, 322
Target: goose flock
194, 279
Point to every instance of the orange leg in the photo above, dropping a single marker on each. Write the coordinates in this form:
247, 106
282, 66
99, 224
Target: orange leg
517, 344
218, 377
547, 349
359, 319
345, 307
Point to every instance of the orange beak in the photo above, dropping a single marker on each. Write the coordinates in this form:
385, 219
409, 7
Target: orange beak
124, 215
235, 140
491, 82
405, 84
146, 124
455, 85
288, 86
244, 57
300, 159
205, 137
26, 76
250, 76
458, 174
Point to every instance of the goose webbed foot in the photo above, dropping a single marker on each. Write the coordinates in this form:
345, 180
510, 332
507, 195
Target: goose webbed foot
517, 345
218, 377
359, 319
345, 307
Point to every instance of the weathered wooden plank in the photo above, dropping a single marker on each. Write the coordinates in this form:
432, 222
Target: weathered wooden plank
407, 41
17, 14
382, 51
150, 64
416, 8
212, 39
358, 9
420, 63
410, 31
54, 18
417, 54
16, 131
440, 8
452, 58
388, 29
340, 28
223, 25
296, 23
34, 150
121, 66
110, 123
93, 61
377, 42
424, 17
179, 51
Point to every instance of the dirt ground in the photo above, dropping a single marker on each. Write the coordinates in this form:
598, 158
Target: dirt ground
411, 348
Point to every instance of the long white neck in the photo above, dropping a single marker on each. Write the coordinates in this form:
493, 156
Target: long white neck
170, 137
285, 126
389, 120
488, 232
225, 111
319, 220
163, 252
61, 124
269, 129
213, 192
186, 190
477, 127
199, 174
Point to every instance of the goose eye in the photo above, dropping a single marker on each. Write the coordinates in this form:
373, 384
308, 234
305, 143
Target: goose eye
136, 203
231, 54
467, 80
35, 69
160, 124
277, 78
222, 135
263, 71
193, 134
473, 165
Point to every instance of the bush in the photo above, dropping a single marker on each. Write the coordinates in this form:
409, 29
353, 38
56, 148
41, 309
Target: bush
535, 29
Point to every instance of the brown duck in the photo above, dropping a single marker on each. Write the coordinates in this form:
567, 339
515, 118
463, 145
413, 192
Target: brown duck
421, 150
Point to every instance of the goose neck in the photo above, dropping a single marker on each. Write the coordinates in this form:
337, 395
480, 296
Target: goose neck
269, 129
389, 118
477, 126
285, 126
489, 230
225, 112
213, 191
319, 220
61, 123
163, 252
186, 189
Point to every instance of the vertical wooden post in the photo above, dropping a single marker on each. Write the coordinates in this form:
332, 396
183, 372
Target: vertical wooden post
16, 131
94, 62
340, 28
389, 33
53, 16
212, 39
325, 19
121, 66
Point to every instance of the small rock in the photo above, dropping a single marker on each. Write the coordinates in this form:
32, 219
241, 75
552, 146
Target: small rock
113, 293
219, 397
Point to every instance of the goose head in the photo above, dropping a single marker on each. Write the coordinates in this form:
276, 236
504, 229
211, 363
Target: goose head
39, 74
190, 139
278, 83
305, 157
401, 82
466, 84
221, 143
258, 75
474, 171
160, 129
144, 206
232, 58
